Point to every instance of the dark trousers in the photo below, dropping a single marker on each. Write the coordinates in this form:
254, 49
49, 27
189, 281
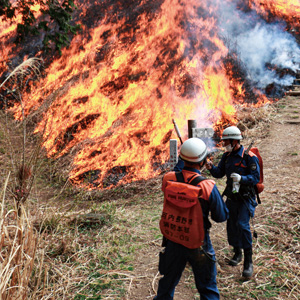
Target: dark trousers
238, 225
172, 263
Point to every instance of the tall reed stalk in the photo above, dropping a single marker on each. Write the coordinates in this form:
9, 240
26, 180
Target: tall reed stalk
18, 238
18, 245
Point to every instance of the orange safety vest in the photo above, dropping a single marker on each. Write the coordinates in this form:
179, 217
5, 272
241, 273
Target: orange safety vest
182, 218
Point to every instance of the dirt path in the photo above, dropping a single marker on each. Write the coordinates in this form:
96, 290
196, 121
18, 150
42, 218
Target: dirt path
279, 145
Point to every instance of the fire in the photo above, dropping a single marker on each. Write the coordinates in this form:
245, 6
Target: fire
8, 27
112, 95
217, 88
7, 31
287, 9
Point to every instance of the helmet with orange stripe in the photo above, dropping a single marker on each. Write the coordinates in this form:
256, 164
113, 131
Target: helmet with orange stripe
232, 133
193, 150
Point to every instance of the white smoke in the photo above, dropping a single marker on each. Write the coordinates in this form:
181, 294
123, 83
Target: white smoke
262, 48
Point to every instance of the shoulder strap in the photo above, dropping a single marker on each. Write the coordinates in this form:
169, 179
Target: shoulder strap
179, 176
194, 181
243, 155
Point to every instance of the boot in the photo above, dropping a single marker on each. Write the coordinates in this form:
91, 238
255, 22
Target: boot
237, 257
248, 265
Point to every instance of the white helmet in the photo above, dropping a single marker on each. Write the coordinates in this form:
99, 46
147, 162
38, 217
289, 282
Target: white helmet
232, 133
193, 150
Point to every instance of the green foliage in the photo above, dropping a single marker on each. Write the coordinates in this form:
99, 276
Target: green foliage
61, 15
55, 21
28, 20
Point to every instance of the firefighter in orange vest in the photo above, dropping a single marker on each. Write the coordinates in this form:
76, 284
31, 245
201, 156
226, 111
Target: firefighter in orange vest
243, 173
175, 256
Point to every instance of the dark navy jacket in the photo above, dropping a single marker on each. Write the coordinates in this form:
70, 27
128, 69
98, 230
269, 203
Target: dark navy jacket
231, 163
245, 165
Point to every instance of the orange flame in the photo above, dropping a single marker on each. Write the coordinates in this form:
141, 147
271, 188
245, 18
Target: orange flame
112, 95
287, 9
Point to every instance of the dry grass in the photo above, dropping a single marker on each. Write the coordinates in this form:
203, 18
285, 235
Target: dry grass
276, 256
254, 122
18, 247
29, 68
58, 242
19, 239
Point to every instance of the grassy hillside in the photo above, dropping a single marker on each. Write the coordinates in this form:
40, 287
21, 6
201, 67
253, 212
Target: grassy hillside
62, 242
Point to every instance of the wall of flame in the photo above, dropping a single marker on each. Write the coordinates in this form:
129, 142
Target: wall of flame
111, 97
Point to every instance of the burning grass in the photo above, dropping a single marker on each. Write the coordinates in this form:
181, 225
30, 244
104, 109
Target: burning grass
75, 244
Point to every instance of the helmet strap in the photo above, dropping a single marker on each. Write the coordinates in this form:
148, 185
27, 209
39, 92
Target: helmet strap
231, 143
234, 146
202, 163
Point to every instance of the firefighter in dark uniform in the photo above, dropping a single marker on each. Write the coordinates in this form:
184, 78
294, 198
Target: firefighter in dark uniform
175, 256
243, 173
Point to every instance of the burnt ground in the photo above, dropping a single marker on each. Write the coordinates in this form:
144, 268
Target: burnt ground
278, 141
